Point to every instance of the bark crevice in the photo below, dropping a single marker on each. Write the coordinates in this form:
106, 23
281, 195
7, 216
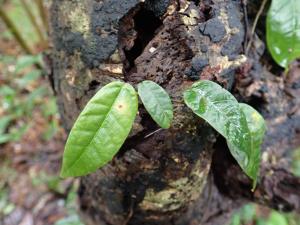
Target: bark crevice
145, 23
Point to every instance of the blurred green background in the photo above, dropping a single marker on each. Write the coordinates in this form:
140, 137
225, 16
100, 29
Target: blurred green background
32, 140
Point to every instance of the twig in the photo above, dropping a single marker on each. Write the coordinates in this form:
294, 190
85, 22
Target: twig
33, 21
15, 32
260, 11
148, 135
246, 21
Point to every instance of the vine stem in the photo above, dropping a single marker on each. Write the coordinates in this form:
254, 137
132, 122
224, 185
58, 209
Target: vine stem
15, 32
260, 11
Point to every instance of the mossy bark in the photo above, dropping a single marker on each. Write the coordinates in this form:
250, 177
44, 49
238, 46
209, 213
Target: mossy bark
170, 176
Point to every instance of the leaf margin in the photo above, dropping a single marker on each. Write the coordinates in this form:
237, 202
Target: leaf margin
167, 107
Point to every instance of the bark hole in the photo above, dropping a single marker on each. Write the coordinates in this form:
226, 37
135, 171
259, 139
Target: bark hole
196, 2
207, 10
132, 142
223, 166
145, 24
94, 84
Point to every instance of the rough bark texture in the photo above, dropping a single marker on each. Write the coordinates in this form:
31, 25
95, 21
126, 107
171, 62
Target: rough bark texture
183, 175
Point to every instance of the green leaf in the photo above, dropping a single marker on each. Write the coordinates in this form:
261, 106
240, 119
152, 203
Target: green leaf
257, 127
283, 31
100, 129
5, 90
16, 133
27, 61
28, 78
32, 99
157, 102
277, 218
4, 123
4, 138
221, 110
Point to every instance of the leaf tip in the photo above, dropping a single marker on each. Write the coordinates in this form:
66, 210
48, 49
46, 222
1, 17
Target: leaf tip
63, 174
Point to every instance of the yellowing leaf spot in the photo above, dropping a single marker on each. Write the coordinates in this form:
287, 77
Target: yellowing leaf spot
255, 117
122, 108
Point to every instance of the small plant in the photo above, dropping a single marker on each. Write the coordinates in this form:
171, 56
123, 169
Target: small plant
105, 122
241, 125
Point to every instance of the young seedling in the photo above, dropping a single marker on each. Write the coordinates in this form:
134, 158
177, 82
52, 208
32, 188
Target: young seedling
104, 124
240, 124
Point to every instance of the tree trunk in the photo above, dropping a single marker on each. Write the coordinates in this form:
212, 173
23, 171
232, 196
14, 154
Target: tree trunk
183, 175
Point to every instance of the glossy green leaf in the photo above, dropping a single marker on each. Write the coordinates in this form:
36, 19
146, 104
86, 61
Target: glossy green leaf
257, 127
157, 102
100, 129
221, 110
283, 31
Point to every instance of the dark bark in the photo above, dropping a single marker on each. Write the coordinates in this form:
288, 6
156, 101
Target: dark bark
183, 175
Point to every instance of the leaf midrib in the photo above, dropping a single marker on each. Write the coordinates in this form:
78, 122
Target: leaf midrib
204, 94
154, 96
216, 108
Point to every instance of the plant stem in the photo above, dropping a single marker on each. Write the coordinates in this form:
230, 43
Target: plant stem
15, 32
43, 14
33, 21
260, 11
